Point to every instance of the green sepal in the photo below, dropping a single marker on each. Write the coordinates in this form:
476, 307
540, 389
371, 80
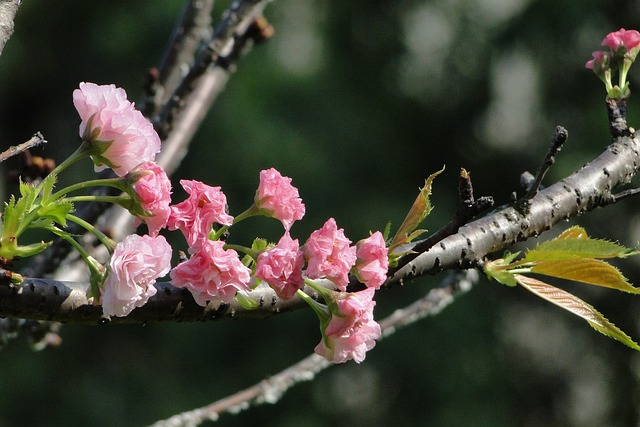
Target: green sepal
23, 250
499, 270
246, 302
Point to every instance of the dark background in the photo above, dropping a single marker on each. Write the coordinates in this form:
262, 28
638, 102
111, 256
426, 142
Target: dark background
358, 101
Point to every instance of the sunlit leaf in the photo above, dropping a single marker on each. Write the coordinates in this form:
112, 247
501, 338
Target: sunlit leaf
575, 243
576, 306
591, 271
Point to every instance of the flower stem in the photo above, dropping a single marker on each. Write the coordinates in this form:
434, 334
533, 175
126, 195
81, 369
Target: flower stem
104, 239
110, 182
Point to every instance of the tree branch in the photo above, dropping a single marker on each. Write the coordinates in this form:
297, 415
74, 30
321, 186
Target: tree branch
271, 390
588, 188
8, 10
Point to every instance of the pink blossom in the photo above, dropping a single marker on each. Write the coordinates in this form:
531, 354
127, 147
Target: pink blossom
599, 61
153, 190
120, 136
135, 265
628, 39
281, 267
276, 197
328, 254
212, 272
372, 260
351, 331
195, 215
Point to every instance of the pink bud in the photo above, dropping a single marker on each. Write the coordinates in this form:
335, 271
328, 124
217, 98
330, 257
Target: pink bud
278, 198
372, 261
351, 331
281, 267
328, 255
153, 191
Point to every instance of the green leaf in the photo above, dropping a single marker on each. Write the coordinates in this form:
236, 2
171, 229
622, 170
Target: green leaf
575, 305
575, 243
57, 211
498, 269
420, 209
591, 271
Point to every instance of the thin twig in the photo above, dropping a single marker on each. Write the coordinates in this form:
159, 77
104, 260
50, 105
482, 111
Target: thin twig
34, 141
560, 136
271, 389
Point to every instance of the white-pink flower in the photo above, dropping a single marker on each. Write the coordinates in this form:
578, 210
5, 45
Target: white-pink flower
195, 215
281, 267
153, 190
372, 261
351, 332
276, 197
120, 136
212, 272
329, 255
135, 265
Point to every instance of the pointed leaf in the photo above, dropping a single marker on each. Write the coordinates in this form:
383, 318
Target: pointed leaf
591, 271
575, 243
420, 209
576, 306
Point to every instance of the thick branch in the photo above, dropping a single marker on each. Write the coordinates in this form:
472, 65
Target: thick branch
8, 10
45, 299
588, 188
585, 190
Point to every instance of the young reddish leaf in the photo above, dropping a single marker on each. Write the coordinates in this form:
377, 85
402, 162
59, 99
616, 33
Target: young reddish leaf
576, 306
575, 243
591, 271
420, 209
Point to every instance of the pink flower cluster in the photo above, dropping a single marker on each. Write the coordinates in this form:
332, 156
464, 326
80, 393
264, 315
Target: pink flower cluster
619, 44
620, 49
116, 135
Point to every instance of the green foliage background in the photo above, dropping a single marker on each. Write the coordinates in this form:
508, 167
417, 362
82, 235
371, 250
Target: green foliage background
358, 101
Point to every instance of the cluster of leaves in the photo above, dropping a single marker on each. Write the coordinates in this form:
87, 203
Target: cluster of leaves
573, 255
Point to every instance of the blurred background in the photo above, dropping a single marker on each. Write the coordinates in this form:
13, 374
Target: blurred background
358, 101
